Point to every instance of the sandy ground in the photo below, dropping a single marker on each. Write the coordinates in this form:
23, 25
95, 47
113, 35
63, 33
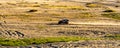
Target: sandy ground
96, 23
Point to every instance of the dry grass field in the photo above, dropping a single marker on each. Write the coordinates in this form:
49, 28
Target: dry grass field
92, 24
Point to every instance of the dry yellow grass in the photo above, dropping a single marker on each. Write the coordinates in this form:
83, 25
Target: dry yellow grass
49, 14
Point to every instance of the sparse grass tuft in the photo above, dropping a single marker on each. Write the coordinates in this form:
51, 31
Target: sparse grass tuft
116, 36
112, 15
36, 5
11, 42
93, 5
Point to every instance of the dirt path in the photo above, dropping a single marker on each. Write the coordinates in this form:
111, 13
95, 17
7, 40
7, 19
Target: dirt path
96, 23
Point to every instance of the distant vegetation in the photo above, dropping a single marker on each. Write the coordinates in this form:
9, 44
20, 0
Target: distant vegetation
42, 40
112, 15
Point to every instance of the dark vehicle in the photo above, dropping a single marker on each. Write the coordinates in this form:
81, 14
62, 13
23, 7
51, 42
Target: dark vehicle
63, 21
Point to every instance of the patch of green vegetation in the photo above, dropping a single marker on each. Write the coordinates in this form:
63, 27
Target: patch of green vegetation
116, 36
112, 15
36, 5
42, 40
93, 5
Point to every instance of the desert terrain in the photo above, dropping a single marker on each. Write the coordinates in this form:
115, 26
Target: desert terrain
96, 23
